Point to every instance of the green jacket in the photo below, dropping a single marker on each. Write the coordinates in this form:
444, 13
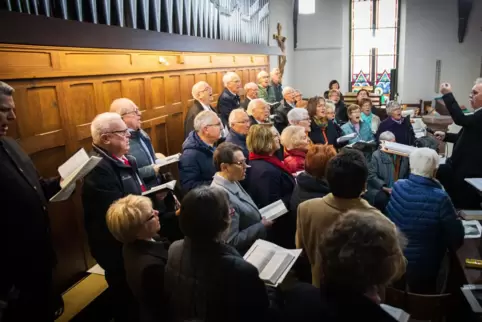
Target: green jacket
267, 94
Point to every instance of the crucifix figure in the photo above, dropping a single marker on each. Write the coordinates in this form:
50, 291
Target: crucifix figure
281, 44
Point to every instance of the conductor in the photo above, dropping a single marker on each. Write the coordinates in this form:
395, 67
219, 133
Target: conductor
466, 159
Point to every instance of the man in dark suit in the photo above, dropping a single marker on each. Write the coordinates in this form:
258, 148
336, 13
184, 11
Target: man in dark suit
251, 93
229, 99
466, 159
115, 176
28, 256
288, 103
203, 96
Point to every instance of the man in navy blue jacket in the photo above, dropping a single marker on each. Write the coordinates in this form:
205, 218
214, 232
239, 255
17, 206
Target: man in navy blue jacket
229, 99
239, 124
196, 167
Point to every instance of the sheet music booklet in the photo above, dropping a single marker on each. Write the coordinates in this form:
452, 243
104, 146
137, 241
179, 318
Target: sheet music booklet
168, 160
274, 210
397, 147
363, 146
167, 186
398, 314
272, 261
75, 168
346, 138
472, 229
475, 182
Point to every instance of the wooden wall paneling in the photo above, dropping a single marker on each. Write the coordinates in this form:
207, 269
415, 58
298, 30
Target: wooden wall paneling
57, 100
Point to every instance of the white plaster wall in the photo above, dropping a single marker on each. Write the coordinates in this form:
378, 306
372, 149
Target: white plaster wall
282, 11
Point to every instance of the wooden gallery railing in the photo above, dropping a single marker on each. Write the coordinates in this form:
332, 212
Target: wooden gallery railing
60, 90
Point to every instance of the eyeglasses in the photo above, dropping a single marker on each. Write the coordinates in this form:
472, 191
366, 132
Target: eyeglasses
136, 111
243, 122
217, 124
120, 132
241, 163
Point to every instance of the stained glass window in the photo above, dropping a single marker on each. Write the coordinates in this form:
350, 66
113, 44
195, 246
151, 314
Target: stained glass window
374, 50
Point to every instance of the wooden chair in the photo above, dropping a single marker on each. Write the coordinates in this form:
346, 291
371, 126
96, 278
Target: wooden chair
350, 98
421, 306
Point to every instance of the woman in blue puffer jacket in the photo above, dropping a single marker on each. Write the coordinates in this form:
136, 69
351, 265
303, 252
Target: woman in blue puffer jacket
423, 211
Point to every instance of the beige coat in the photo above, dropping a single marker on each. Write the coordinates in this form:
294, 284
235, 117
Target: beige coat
314, 218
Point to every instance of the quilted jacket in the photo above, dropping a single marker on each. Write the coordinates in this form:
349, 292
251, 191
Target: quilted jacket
423, 211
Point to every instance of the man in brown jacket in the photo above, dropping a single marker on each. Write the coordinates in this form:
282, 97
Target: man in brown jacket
347, 176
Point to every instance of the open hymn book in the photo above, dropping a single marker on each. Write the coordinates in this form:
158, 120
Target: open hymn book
272, 261
168, 160
76, 168
398, 314
397, 148
167, 186
274, 210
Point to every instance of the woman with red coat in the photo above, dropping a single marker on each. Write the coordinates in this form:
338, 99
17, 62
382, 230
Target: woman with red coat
296, 144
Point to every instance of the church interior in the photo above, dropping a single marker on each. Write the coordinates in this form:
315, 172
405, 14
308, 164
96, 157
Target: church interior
205, 80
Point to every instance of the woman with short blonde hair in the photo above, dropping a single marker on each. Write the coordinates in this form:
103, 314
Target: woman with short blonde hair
134, 222
269, 180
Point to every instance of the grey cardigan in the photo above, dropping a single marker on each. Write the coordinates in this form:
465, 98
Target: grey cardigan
380, 173
246, 226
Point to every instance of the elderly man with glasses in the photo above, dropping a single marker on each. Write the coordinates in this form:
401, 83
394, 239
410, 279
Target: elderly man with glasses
115, 176
203, 96
140, 147
196, 166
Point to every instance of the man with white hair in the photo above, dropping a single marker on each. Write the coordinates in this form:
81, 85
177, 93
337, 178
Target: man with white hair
258, 111
229, 98
239, 124
140, 143
203, 96
423, 211
288, 103
114, 177
275, 88
300, 116
28, 256
196, 165
466, 159
140, 147
251, 93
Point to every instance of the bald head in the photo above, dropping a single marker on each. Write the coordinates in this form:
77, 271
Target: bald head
129, 112
109, 132
202, 92
251, 90
263, 79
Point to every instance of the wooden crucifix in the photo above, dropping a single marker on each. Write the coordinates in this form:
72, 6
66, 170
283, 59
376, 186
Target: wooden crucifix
281, 44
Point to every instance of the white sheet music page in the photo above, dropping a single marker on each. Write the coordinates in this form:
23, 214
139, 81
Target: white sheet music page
274, 210
73, 163
475, 182
398, 147
169, 185
168, 160
272, 261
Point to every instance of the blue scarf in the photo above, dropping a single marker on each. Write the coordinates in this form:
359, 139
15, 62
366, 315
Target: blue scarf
367, 118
